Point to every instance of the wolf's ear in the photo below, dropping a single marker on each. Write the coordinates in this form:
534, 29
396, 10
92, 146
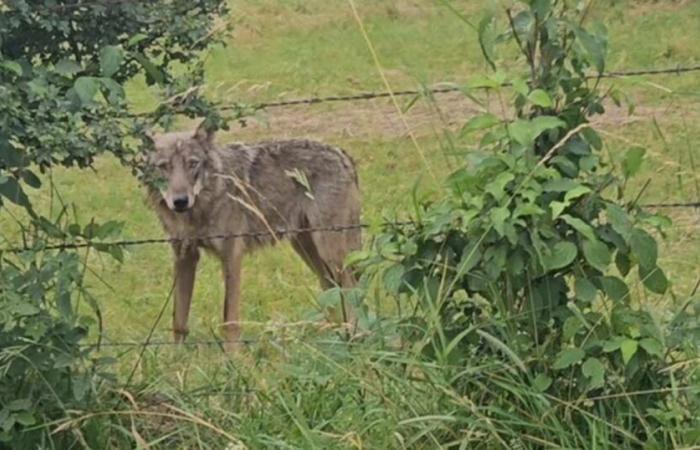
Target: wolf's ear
204, 134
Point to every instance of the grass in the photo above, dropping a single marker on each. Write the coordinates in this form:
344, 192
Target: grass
295, 48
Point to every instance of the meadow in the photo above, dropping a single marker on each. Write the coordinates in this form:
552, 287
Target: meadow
287, 49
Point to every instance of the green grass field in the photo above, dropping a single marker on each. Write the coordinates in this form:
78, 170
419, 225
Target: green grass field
283, 49
289, 49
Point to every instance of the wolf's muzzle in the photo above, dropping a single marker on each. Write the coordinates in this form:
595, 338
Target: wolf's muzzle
180, 204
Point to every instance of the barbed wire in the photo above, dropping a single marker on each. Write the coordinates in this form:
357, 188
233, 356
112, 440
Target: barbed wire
257, 234
370, 95
253, 234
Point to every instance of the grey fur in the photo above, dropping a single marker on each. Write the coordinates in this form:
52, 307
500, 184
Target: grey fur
249, 188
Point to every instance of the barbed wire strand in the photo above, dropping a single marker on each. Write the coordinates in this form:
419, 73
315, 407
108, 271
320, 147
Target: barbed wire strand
369, 95
256, 234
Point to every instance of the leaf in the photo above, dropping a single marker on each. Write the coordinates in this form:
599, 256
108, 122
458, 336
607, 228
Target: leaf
330, 298
619, 220
557, 208
497, 187
67, 67
571, 326
153, 72
615, 288
561, 185
526, 131
471, 255
540, 98
393, 278
653, 279
597, 254
594, 370
487, 38
12, 190
541, 382
576, 192
86, 88
12, 67
356, 257
563, 254
567, 358
111, 58
579, 225
644, 247
594, 47
633, 160
585, 290
498, 217
480, 122
628, 348
31, 179
652, 346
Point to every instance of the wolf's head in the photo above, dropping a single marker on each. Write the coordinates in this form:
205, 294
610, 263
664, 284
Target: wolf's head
179, 164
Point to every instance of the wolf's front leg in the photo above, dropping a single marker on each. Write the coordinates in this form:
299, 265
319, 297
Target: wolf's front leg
186, 258
232, 278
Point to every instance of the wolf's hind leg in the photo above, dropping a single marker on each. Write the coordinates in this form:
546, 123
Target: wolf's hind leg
232, 279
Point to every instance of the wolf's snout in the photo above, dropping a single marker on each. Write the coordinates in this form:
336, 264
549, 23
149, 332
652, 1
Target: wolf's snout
181, 203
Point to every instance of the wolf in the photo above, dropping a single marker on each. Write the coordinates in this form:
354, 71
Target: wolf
203, 193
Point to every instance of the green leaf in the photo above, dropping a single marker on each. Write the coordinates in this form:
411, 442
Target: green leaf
585, 290
86, 88
652, 346
12, 190
110, 59
653, 279
594, 370
619, 220
644, 248
67, 67
153, 72
356, 257
576, 192
526, 131
633, 160
480, 122
330, 298
557, 208
562, 254
487, 38
615, 288
393, 278
12, 67
628, 348
541, 382
540, 98
561, 185
597, 254
31, 179
497, 187
579, 225
571, 326
567, 358
594, 47
498, 217
471, 255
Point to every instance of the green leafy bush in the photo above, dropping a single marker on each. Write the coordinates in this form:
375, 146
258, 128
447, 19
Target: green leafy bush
63, 68
532, 254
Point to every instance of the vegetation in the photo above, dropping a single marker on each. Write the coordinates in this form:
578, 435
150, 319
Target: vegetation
63, 67
589, 345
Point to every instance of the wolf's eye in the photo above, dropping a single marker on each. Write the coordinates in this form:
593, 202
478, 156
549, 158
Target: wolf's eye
193, 163
162, 165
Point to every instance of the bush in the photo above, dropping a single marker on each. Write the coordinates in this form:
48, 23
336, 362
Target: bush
63, 67
527, 260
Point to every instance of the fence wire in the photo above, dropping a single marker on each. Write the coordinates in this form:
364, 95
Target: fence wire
256, 234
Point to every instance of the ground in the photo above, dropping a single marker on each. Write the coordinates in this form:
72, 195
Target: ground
285, 49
